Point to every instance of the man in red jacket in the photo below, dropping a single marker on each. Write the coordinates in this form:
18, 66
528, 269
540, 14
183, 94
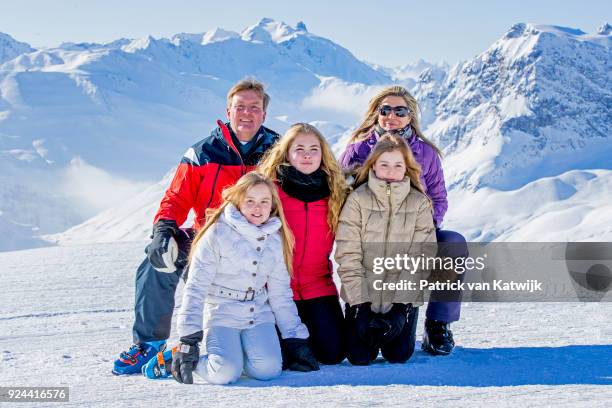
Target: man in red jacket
218, 161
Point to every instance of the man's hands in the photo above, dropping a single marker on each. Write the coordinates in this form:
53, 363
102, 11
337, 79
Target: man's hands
163, 251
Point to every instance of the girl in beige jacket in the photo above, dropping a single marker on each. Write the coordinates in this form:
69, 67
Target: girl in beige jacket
385, 227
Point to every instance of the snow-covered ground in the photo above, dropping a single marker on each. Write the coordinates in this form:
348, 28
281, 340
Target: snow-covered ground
67, 312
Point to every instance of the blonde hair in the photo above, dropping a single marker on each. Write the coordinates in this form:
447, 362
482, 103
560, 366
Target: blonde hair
249, 84
234, 195
371, 117
391, 143
279, 156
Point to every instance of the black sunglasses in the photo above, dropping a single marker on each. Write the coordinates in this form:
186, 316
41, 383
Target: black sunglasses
400, 111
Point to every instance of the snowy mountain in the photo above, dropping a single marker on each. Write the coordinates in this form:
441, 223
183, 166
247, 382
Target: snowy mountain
535, 104
526, 121
408, 74
532, 159
127, 110
11, 48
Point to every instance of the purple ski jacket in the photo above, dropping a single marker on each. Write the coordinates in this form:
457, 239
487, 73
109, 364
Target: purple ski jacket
432, 176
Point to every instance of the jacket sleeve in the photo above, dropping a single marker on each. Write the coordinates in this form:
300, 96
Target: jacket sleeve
436, 189
181, 196
349, 253
354, 155
281, 301
423, 244
202, 271
346, 158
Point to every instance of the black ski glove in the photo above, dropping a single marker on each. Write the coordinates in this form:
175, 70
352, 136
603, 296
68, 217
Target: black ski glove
396, 318
363, 315
185, 360
297, 355
163, 251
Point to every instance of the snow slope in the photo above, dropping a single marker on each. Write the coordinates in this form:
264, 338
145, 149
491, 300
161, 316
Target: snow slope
67, 313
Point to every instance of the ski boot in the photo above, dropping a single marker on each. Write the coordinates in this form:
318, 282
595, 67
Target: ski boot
132, 361
160, 366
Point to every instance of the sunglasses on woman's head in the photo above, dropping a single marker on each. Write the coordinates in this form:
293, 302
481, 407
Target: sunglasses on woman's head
400, 111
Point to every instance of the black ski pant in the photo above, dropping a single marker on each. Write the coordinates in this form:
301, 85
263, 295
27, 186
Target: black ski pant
154, 303
325, 322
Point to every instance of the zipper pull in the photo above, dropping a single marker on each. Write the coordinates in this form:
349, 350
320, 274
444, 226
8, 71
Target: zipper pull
388, 189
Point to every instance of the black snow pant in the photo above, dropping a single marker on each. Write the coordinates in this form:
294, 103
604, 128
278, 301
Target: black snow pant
325, 322
398, 350
154, 303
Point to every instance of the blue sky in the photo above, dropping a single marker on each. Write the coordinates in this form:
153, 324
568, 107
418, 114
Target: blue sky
385, 32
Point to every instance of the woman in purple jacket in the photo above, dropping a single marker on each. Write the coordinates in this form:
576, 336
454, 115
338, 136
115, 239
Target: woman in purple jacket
394, 110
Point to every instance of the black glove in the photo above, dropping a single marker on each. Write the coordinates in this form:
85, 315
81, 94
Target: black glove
297, 355
363, 315
396, 318
185, 360
377, 329
163, 251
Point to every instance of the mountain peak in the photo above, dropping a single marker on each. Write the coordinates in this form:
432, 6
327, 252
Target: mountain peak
524, 29
217, 35
11, 48
270, 30
605, 29
138, 44
516, 30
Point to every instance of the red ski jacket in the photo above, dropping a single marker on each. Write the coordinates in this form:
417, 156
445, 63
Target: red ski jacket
205, 170
312, 268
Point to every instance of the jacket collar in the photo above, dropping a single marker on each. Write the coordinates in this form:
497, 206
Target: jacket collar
234, 218
397, 190
224, 132
407, 133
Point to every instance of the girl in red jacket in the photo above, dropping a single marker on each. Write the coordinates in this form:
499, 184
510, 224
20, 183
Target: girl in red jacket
312, 190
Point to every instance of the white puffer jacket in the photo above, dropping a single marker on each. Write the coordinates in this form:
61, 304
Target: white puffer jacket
237, 255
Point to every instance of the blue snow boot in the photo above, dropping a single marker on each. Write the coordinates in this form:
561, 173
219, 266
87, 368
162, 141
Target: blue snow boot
132, 361
160, 366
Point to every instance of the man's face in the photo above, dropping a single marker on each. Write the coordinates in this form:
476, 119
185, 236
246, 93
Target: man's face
246, 114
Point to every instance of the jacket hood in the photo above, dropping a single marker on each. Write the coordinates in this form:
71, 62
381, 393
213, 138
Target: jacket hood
234, 218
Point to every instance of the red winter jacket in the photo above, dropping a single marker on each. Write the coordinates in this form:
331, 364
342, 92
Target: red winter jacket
205, 170
312, 269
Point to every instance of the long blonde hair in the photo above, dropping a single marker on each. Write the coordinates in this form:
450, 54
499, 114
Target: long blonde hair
371, 118
279, 156
390, 143
234, 195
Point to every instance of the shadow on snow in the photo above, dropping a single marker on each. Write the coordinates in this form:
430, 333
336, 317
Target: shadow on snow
467, 367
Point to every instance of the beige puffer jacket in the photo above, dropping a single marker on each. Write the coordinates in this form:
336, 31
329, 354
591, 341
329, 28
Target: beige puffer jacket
381, 219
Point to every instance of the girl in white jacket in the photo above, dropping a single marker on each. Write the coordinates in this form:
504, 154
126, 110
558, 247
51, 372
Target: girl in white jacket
238, 289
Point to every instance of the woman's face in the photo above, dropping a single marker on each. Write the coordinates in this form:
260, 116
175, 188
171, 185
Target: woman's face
256, 205
392, 121
305, 153
390, 166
